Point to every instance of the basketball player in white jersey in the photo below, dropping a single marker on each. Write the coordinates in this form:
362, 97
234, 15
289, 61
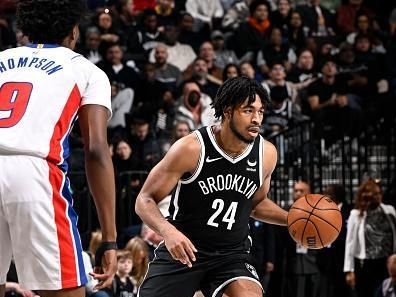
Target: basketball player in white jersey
44, 87
221, 176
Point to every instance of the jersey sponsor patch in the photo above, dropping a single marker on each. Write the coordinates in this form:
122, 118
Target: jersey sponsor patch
252, 270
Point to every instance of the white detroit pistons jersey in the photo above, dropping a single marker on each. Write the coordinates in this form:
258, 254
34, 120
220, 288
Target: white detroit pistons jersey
41, 89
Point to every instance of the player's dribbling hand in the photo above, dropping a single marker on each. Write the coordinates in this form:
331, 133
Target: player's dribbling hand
105, 274
179, 246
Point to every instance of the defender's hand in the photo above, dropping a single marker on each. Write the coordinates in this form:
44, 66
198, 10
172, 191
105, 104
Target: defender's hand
105, 274
179, 246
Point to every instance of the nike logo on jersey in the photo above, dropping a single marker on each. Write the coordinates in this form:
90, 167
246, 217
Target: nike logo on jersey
209, 160
251, 164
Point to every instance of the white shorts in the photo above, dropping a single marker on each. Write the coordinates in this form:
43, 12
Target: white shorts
38, 225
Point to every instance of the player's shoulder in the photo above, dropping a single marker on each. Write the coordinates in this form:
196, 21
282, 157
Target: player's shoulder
189, 144
268, 147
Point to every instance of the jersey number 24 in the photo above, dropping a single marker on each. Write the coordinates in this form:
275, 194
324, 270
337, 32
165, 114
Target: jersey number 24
229, 216
14, 99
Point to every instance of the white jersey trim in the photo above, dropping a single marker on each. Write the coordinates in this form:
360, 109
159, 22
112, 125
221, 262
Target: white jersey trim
201, 160
219, 288
223, 153
176, 201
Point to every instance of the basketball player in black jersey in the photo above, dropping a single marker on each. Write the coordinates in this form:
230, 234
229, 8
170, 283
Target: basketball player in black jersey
220, 177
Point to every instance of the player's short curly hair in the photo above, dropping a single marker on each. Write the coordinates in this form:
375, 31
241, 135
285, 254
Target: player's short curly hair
49, 21
235, 91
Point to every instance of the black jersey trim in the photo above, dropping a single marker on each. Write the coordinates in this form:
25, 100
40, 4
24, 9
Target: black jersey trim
223, 153
200, 164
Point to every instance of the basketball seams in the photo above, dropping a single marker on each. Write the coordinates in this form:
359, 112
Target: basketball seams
313, 207
317, 216
317, 232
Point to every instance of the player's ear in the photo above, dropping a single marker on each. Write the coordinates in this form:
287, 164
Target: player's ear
75, 33
227, 112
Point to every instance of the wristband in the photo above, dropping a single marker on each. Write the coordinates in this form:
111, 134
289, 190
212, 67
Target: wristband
104, 246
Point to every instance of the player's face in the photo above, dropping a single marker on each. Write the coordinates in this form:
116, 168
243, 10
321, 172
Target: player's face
246, 120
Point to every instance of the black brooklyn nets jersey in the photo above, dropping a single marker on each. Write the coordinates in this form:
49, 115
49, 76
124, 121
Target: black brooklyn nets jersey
212, 206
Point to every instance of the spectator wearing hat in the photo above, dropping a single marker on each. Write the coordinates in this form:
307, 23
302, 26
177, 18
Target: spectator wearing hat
223, 56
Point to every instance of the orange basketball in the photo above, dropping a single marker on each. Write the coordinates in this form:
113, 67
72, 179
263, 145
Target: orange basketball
314, 221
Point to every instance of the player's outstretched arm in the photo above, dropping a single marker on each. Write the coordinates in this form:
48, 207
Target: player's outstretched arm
264, 209
100, 175
182, 157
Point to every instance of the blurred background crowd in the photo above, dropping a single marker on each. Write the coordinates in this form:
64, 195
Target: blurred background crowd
330, 69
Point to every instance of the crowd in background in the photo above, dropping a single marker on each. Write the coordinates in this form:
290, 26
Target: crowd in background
333, 63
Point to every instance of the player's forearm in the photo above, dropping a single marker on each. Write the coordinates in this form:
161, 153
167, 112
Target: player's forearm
269, 212
100, 174
147, 209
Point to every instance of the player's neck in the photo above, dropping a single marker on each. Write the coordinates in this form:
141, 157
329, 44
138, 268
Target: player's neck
228, 142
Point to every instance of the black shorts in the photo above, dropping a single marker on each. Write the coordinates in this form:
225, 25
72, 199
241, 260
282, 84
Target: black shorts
210, 273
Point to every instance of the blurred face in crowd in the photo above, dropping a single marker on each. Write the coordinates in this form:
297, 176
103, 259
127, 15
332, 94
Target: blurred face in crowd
232, 71
347, 55
128, 7
189, 89
105, 21
123, 150
363, 45
218, 43
356, 2
284, 7
247, 70
261, 13
329, 69
171, 35
114, 90
124, 266
182, 129
305, 60
276, 37
206, 52
114, 55
277, 72
141, 130
150, 22
161, 54
92, 40
295, 20
363, 23
300, 189
200, 67
149, 72
187, 22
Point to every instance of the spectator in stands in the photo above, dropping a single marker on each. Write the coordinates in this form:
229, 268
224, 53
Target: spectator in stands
166, 13
230, 70
94, 243
166, 73
207, 53
149, 94
179, 55
144, 38
370, 240
21, 39
90, 49
7, 36
186, 34
347, 14
303, 71
302, 271
246, 69
144, 143
331, 258
125, 160
126, 15
387, 287
223, 56
109, 33
328, 101
237, 14
141, 5
140, 257
207, 82
116, 69
296, 33
164, 119
121, 103
317, 18
195, 107
204, 12
180, 129
275, 52
281, 16
251, 35
122, 283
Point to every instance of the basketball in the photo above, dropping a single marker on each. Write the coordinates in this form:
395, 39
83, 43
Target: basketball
314, 221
